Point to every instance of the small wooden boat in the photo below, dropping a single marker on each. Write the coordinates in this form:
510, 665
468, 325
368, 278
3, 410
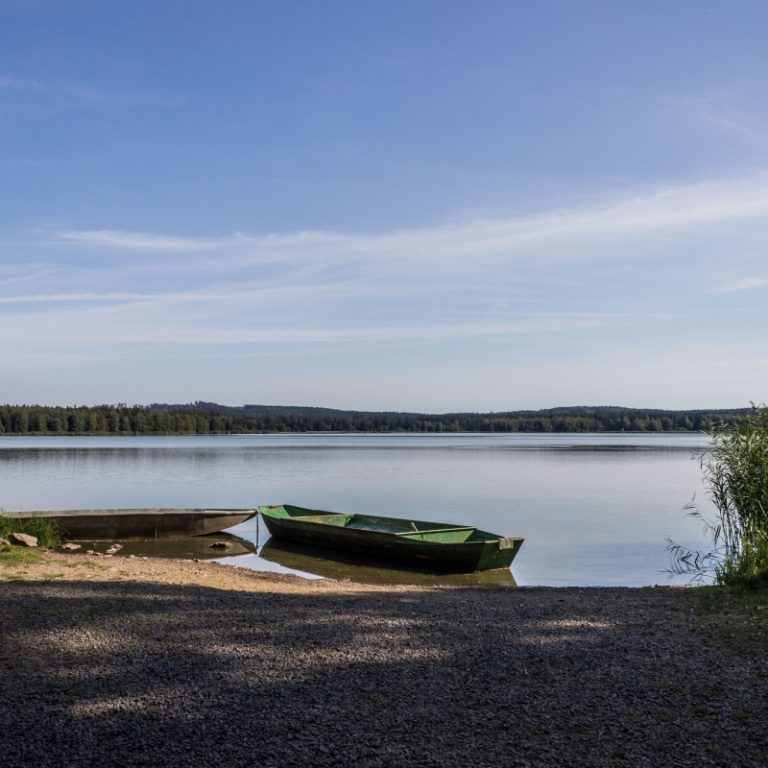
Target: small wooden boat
437, 546
127, 524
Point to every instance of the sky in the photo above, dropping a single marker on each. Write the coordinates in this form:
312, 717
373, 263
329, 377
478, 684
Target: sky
384, 205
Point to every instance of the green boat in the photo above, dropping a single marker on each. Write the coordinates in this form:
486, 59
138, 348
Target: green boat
443, 547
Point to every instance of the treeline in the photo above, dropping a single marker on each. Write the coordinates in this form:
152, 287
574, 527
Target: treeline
202, 418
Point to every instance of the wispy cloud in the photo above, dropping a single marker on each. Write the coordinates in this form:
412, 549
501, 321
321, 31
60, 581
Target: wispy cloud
8, 83
142, 241
57, 298
746, 284
721, 112
15, 274
226, 295
81, 329
75, 94
663, 212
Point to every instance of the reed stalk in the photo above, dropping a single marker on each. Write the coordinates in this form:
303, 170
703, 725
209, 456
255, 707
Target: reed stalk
736, 478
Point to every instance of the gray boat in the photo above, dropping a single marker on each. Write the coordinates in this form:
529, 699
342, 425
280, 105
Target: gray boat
127, 524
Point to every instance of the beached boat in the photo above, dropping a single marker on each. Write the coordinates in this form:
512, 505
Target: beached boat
437, 546
110, 524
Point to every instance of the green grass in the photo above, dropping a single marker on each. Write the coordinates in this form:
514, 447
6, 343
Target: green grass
47, 531
13, 564
748, 568
19, 556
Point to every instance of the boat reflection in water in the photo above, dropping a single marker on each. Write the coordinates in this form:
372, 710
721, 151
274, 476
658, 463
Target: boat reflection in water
208, 547
346, 567
296, 558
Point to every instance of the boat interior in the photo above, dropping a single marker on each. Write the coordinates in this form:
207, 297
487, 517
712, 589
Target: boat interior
418, 530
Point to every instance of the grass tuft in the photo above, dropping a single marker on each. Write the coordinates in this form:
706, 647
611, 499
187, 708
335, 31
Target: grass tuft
46, 530
20, 556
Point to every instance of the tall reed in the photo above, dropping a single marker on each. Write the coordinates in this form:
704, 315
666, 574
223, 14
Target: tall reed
736, 478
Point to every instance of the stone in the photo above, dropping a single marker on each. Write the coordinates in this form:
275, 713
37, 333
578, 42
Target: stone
71, 547
23, 539
4, 545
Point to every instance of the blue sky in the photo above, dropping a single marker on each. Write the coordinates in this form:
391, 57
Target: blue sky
413, 205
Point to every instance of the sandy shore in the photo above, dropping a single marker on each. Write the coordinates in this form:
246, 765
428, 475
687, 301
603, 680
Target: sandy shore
131, 662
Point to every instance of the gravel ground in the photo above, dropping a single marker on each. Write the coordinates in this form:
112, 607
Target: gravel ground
159, 663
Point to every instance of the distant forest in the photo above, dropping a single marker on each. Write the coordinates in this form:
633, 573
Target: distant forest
210, 418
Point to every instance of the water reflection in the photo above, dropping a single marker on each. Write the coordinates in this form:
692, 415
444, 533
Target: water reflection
291, 558
345, 567
209, 547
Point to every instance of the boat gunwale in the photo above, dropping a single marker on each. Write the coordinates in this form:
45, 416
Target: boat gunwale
407, 536
126, 511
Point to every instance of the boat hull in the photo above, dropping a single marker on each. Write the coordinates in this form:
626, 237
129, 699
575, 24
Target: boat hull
399, 544
133, 524
348, 566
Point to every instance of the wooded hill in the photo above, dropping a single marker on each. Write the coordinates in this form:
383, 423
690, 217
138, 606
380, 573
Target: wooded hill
211, 418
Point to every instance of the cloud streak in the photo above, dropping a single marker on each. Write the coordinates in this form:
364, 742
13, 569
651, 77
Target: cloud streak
74, 94
739, 286
718, 111
58, 298
225, 294
671, 211
142, 241
80, 329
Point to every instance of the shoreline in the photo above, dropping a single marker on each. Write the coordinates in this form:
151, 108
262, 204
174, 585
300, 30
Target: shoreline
55, 565
398, 432
180, 663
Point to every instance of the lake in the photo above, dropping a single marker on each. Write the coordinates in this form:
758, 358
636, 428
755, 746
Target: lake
595, 509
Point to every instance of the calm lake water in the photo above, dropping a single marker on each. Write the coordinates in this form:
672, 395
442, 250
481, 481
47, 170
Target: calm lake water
594, 509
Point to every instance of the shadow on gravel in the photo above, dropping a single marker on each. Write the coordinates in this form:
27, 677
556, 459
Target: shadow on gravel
137, 674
